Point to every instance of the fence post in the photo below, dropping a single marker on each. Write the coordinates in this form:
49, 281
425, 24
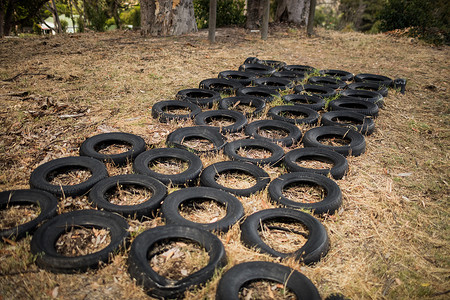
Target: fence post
212, 20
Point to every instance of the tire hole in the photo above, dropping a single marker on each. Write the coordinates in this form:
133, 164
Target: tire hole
128, 194
254, 152
168, 166
220, 121
304, 192
69, 176
16, 215
265, 290
78, 241
176, 110
198, 144
236, 180
312, 163
272, 133
332, 140
202, 211
176, 259
113, 147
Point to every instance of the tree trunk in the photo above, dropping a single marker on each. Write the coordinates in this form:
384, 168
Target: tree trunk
212, 20
293, 11
167, 17
312, 12
2, 20
8, 18
54, 11
255, 10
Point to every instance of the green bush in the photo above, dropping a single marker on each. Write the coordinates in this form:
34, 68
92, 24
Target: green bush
64, 25
427, 19
229, 12
132, 16
326, 17
97, 14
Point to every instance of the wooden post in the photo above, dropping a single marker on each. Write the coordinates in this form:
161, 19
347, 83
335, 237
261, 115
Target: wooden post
212, 20
312, 11
265, 22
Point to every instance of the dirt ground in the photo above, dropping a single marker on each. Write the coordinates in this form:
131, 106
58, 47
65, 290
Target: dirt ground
389, 240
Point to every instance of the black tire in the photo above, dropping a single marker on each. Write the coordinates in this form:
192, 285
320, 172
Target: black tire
44, 240
299, 69
327, 81
159, 110
170, 208
380, 79
277, 152
260, 92
238, 118
349, 119
292, 76
209, 174
342, 75
276, 64
251, 60
294, 133
259, 69
371, 96
351, 104
274, 83
337, 171
312, 251
220, 85
46, 202
91, 146
310, 101
158, 286
314, 89
201, 97
176, 138
369, 86
236, 277
305, 115
329, 204
187, 177
98, 195
258, 103
39, 178
244, 78
356, 147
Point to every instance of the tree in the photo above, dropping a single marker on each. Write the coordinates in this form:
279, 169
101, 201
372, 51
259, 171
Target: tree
14, 12
167, 17
293, 11
255, 10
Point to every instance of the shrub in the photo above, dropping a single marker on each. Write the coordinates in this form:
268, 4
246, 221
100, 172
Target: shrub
132, 16
229, 12
326, 17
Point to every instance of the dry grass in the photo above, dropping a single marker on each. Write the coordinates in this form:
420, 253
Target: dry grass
69, 176
129, 194
304, 193
202, 211
82, 241
236, 180
16, 215
265, 290
389, 240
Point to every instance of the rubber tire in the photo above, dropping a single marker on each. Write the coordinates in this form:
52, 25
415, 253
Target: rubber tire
43, 242
164, 117
356, 147
316, 90
369, 86
236, 277
251, 60
327, 81
187, 177
276, 64
239, 120
299, 69
255, 102
97, 195
244, 78
365, 95
293, 137
208, 176
362, 123
329, 204
38, 178
350, 104
156, 285
380, 79
317, 104
312, 116
207, 98
234, 209
89, 146
259, 69
343, 75
337, 171
175, 138
276, 157
46, 202
274, 83
224, 85
312, 251
263, 93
